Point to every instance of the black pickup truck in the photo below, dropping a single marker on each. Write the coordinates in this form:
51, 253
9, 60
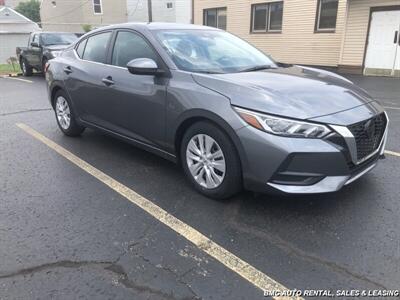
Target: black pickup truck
42, 46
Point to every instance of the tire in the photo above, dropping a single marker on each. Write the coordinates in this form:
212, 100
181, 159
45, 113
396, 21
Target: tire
225, 182
65, 116
27, 70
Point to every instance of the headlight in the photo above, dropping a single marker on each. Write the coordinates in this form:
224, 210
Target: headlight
282, 126
56, 53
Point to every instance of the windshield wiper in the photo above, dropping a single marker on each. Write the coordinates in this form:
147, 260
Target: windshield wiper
208, 72
257, 68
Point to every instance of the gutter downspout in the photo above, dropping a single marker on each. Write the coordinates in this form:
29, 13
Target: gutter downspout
345, 31
192, 19
150, 10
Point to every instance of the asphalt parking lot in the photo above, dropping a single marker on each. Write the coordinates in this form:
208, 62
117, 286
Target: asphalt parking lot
65, 234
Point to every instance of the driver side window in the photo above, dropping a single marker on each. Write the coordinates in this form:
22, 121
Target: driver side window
35, 39
129, 46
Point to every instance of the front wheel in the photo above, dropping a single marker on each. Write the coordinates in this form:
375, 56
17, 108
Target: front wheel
210, 161
66, 119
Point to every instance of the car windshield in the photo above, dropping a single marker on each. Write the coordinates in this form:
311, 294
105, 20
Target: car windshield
58, 38
212, 51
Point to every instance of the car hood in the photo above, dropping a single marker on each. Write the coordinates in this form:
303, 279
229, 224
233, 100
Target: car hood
56, 47
293, 91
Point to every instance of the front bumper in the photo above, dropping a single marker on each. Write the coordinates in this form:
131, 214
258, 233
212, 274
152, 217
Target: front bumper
301, 166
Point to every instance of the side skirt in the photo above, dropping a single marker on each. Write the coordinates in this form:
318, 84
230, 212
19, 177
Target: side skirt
150, 148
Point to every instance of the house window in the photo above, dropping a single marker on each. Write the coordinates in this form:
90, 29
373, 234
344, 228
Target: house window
267, 17
215, 17
326, 15
169, 4
97, 7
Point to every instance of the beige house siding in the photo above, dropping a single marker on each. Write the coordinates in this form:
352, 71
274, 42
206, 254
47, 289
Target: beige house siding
356, 32
71, 15
13, 3
114, 12
297, 43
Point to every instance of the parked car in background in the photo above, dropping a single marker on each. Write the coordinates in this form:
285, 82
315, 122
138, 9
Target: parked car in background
229, 114
42, 46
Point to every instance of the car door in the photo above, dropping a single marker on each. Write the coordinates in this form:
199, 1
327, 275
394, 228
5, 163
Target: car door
35, 51
31, 51
135, 103
84, 78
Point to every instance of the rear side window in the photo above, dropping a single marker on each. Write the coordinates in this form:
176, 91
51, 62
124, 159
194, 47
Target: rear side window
128, 46
96, 47
81, 48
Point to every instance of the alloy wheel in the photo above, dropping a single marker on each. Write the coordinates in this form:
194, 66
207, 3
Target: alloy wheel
63, 112
206, 161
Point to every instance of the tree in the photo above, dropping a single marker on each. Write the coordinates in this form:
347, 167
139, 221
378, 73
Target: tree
86, 27
30, 9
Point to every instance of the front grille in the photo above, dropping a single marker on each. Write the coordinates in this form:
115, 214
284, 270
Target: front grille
368, 135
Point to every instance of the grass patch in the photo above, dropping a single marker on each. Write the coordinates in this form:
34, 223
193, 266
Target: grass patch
6, 69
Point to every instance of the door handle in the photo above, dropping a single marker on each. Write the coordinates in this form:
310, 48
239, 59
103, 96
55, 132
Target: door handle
395, 37
108, 81
68, 70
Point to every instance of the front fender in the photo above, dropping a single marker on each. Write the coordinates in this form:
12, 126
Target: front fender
191, 116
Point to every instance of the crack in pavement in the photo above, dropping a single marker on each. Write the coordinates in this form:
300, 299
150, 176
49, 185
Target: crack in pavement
130, 284
131, 250
179, 277
115, 267
231, 221
292, 250
111, 266
24, 111
52, 265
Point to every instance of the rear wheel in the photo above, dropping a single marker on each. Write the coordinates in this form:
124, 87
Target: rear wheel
26, 68
210, 161
66, 118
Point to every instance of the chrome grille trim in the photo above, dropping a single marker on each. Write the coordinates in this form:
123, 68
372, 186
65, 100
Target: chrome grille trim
352, 145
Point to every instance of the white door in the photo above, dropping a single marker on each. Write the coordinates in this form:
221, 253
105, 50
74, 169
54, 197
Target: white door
383, 43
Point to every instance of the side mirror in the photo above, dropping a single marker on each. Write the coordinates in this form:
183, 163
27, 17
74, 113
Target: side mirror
144, 66
34, 44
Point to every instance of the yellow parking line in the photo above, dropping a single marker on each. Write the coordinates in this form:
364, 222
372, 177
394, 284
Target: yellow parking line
392, 153
20, 79
391, 107
239, 266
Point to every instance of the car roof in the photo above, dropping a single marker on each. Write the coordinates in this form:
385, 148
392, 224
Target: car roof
53, 32
157, 26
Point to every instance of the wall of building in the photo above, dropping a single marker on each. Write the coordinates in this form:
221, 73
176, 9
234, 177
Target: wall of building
14, 32
163, 14
65, 16
72, 14
13, 3
355, 35
137, 11
183, 11
9, 42
114, 12
297, 43
180, 12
